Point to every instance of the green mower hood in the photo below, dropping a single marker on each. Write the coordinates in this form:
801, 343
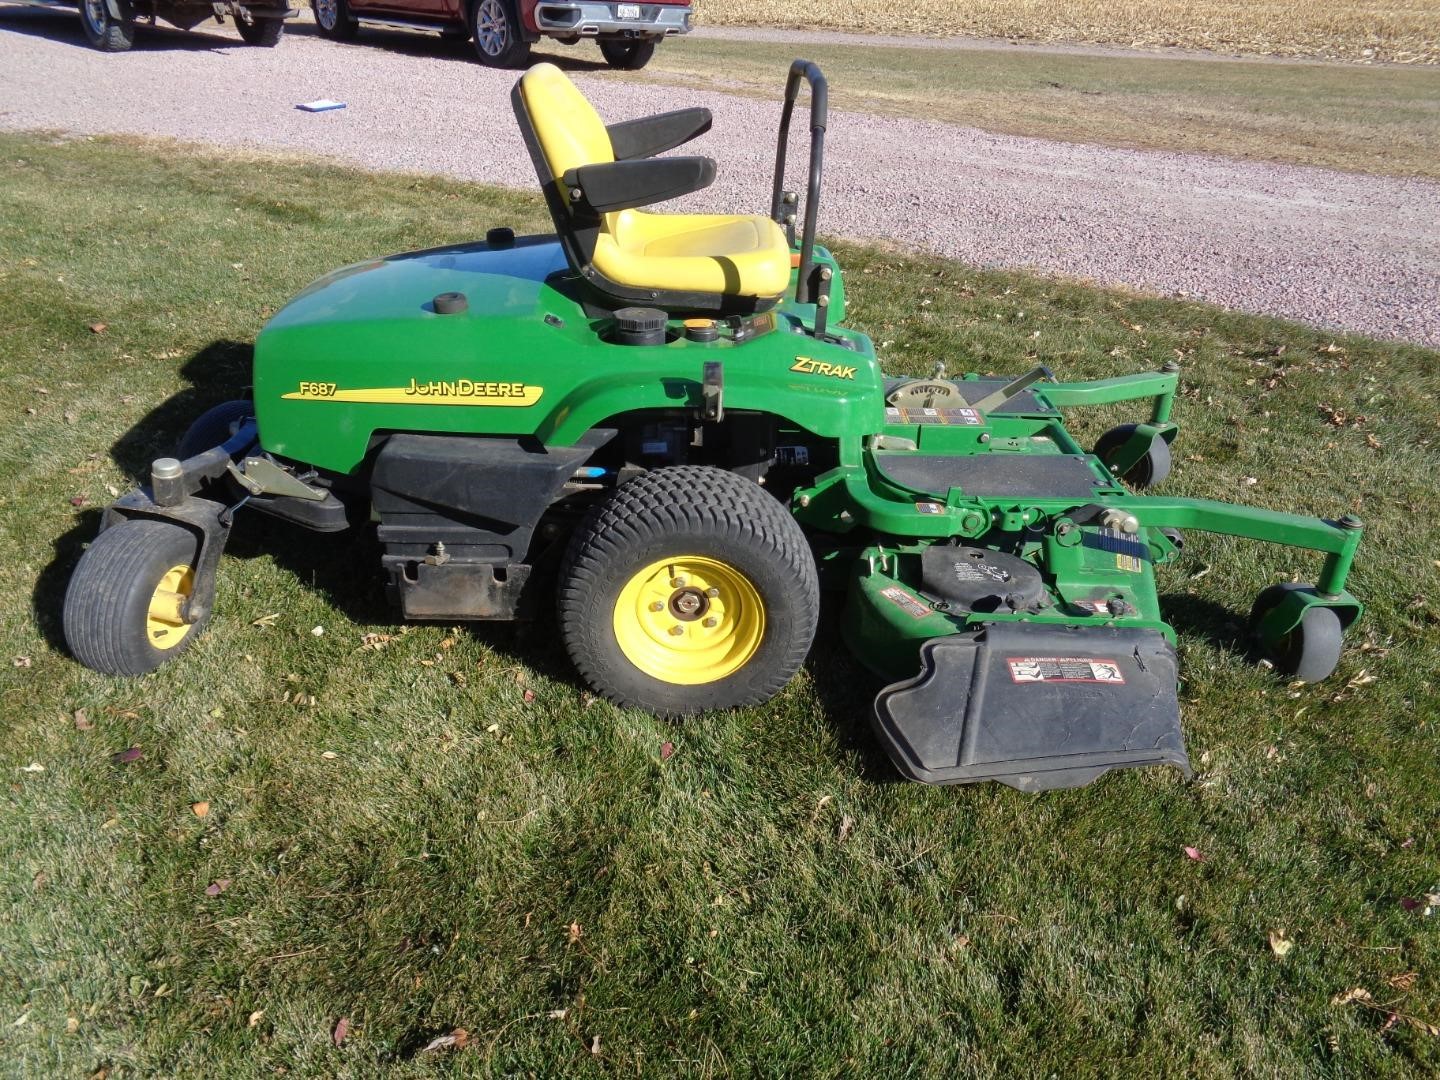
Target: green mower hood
475, 339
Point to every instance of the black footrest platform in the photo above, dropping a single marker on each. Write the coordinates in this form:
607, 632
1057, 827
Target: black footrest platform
1034, 706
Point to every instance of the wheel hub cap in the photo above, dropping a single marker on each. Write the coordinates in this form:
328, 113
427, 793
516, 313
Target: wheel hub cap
164, 624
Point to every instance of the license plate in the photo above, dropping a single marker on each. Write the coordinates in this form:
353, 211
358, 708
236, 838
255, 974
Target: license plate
627, 11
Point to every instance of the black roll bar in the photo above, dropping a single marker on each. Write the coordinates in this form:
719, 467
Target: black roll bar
819, 108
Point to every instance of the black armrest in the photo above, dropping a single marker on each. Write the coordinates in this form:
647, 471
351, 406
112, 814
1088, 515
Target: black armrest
621, 185
651, 135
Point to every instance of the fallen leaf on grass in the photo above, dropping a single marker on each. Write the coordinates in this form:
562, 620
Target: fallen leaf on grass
200, 809
558, 1014
1358, 993
255, 1018
575, 932
23, 661
595, 1045
317, 631
266, 620
215, 888
72, 1025
78, 500
82, 721
847, 826
456, 1040
329, 755
1280, 944
528, 696
21, 1021
34, 766
128, 755
342, 1028
1404, 981
1194, 854
666, 749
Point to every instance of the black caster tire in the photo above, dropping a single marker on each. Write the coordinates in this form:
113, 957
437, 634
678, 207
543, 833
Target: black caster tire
627, 55
103, 30
333, 20
213, 427
1310, 652
688, 589
498, 36
262, 33
1145, 473
121, 605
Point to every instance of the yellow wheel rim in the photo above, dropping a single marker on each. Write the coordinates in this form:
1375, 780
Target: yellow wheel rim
164, 625
689, 620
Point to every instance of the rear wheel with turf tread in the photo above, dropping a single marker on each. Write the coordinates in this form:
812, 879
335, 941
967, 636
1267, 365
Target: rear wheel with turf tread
333, 19
704, 551
627, 55
122, 602
103, 30
1145, 473
1310, 652
262, 33
498, 36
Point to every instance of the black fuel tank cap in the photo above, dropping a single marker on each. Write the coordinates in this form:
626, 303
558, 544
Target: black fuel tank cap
640, 326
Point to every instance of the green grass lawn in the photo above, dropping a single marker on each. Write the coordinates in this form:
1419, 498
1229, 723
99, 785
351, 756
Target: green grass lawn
441, 829
1383, 120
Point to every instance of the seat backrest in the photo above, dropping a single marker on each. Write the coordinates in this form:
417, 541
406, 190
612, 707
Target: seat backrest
567, 127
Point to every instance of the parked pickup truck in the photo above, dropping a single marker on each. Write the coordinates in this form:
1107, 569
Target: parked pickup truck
504, 30
110, 24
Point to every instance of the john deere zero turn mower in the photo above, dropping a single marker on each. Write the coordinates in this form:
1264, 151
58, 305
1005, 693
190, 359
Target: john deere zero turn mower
661, 421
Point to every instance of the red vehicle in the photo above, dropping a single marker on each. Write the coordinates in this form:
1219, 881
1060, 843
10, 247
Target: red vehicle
504, 30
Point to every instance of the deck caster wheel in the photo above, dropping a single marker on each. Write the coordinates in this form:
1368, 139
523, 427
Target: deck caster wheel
122, 608
1310, 652
1145, 473
688, 589
1175, 536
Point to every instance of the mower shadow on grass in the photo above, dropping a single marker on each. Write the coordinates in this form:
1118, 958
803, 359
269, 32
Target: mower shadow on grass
1221, 626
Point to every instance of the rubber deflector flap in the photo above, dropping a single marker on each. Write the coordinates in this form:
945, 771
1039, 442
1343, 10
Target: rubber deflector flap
1035, 707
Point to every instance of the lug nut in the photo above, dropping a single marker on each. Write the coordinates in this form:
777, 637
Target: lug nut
711, 622
657, 606
676, 630
677, 583
712, 593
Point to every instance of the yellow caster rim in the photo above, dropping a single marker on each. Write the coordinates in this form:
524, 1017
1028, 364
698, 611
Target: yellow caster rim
164, 626
689, 620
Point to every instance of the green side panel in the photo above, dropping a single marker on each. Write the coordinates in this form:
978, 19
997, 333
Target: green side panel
363, 351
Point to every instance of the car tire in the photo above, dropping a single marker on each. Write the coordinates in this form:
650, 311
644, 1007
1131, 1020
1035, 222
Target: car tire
333, 19
103, 30
262, 33
499, 38
627, 54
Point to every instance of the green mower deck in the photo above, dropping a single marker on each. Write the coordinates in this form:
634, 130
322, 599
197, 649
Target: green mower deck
678, 473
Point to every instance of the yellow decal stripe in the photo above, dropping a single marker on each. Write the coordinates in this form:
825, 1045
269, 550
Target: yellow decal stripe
446, 392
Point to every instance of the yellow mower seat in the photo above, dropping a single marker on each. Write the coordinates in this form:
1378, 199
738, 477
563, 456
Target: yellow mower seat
728, 255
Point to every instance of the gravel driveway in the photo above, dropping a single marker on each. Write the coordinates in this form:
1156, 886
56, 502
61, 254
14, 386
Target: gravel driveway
1337, 250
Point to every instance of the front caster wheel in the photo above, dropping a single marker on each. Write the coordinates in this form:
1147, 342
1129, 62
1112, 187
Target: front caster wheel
1145, 473
688, 589
1311, 651
123, 606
